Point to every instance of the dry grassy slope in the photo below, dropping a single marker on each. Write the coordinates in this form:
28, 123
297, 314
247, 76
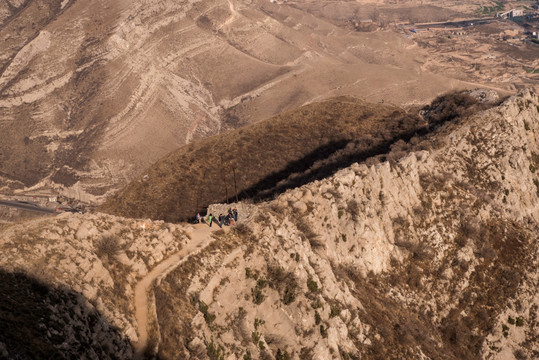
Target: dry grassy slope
262, 157
433, 256
92, 93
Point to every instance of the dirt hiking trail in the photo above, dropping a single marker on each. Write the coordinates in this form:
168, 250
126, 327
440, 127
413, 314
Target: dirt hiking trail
200, 238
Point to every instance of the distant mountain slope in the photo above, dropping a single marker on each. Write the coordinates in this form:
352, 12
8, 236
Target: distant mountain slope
93, 93
265, 158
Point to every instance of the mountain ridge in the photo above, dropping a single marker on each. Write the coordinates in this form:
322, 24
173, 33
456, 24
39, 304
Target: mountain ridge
255, 159
92, 95
431, 254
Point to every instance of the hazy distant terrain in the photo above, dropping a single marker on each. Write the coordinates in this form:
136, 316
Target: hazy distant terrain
91, 93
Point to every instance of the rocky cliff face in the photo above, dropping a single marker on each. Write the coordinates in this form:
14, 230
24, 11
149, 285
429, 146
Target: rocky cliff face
43, 321
433, 255
429, 253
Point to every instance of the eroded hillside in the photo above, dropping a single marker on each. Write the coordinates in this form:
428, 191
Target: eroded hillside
92, 93
264, 159
430, 254
433, 255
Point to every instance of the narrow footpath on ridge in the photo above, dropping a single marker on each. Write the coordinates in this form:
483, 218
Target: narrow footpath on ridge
200, 238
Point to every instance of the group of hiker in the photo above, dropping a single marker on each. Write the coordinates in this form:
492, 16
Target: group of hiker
229, 220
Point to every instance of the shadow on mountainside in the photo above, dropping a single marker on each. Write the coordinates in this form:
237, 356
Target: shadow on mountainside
40, 321
262, 160
321, 163
327, 160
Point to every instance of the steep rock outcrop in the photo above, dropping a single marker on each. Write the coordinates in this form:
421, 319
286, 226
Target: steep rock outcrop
426, 256
430, 254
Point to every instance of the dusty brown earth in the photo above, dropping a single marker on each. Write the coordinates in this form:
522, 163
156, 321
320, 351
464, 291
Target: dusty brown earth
431, 253
91, 93
263, 159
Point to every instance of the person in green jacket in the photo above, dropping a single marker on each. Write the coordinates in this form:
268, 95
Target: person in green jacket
210, 219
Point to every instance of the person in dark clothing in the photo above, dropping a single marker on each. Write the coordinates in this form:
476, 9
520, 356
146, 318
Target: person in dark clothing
227, 220
221, 218
210, 219
235, 212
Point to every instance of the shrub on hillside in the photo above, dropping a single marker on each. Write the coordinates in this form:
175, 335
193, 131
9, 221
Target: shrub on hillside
452, 106
308, 234
108, 247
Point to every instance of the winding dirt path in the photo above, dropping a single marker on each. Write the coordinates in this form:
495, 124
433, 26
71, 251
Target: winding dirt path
234, 14
200, 238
